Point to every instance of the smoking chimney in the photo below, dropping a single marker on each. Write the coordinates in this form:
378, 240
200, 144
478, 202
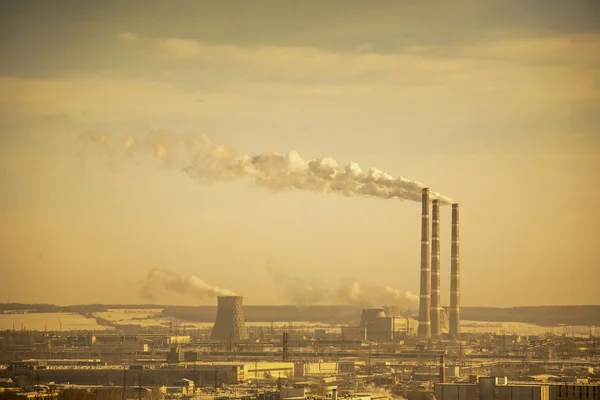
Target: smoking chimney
229, 324
455, 277
436, 326
424, 330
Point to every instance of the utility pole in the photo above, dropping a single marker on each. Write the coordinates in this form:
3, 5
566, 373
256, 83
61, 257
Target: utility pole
139, 387
256, 372
285, 349
393, 322
216, 381
124, 382
369, 361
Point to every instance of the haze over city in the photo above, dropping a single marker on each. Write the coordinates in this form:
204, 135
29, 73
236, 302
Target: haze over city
494, 105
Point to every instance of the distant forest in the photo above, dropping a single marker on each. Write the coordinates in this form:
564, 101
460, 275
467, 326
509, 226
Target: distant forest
540, 315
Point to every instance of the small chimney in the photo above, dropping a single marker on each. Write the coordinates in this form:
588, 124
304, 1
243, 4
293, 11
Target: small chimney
442, 369
424, 329
334, 394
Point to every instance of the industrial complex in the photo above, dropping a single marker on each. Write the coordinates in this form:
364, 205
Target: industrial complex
381, 354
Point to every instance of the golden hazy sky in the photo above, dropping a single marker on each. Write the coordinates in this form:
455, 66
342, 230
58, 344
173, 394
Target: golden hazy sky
496, 104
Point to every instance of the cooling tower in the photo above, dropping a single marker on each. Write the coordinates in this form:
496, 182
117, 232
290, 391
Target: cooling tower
424, 330
454, 277
370, 315
436, 328
229, 324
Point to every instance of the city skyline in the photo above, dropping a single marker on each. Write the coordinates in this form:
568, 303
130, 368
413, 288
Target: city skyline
496, 107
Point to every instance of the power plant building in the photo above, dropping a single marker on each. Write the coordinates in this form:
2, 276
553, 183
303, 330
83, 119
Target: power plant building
490, 389
375, 326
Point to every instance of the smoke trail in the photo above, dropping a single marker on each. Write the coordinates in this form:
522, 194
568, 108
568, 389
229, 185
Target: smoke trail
368, 295
161, 282
99, 141
205, 161
304, 291
299, 291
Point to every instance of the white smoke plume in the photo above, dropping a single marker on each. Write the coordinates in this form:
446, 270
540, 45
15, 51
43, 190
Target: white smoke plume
300, 291
202, 160
368, 295
303, 291
160, 282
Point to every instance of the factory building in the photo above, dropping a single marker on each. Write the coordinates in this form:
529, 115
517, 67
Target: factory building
198, 372
354, 333
498, 388
490, 389
303, 368
375, 326
574, 391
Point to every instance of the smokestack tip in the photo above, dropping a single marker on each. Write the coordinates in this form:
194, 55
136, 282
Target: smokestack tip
426, 190
454, 205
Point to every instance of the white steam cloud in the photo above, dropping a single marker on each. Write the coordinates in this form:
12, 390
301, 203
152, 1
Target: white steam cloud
303, 292
202, 160
160, 282
371, 295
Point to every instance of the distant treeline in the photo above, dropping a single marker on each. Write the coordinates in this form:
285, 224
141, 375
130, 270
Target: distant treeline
81, 308
540, 315
329, 314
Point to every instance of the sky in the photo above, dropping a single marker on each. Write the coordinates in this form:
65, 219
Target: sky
495, 104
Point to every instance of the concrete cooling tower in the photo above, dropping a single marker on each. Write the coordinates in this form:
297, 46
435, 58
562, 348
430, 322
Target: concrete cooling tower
229, 324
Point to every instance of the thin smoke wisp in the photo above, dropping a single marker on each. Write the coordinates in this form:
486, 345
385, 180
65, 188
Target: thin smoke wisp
159, 282
304, 292
300, 291
204, 161
369, 295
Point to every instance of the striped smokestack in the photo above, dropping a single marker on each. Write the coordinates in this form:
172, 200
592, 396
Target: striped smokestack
455, 277
424, 330
436, 309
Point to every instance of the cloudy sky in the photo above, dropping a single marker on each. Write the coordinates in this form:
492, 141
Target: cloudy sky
496, 104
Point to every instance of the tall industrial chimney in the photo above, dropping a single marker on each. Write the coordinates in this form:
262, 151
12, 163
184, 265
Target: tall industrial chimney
454, 276
436, 309
424, 329
229, 324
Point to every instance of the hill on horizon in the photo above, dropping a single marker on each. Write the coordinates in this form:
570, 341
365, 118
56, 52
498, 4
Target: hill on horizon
586, 315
